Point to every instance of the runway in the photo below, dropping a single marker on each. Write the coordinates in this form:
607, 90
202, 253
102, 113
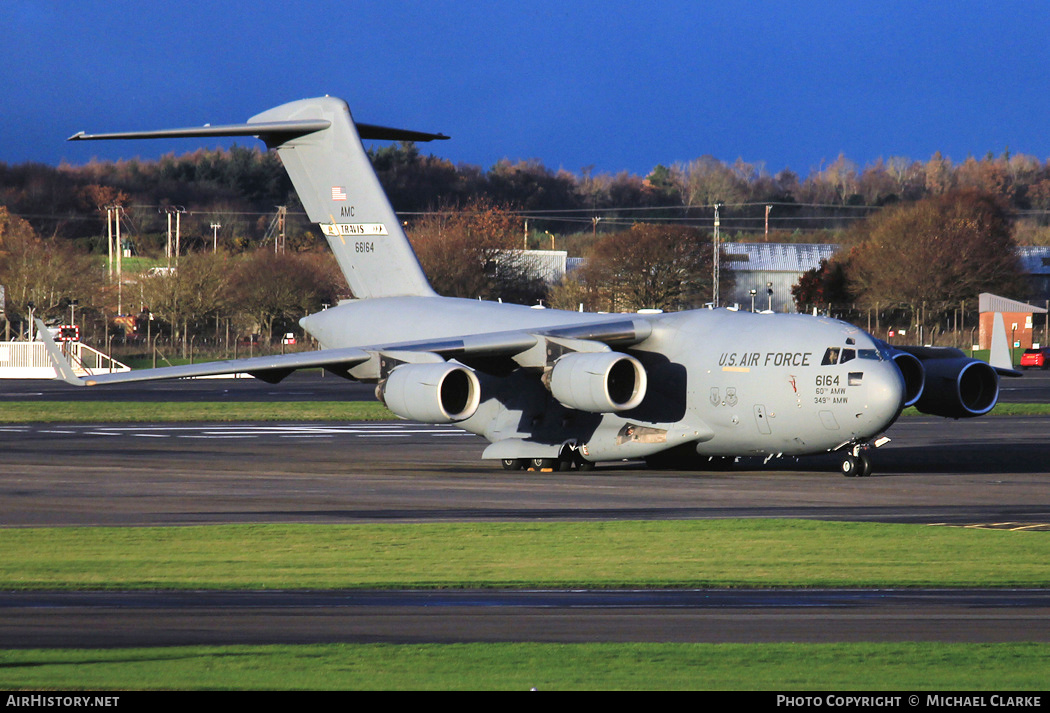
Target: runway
987, 472
982, 472
115, 619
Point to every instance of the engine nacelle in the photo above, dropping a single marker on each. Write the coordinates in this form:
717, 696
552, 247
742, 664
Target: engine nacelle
432, 393
914, 374
598, 382
958, 388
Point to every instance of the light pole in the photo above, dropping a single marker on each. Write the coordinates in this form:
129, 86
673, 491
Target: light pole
752, 292
32, 332
769, 292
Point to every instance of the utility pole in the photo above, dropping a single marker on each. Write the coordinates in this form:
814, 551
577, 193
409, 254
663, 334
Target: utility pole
178, 234
768, 208
715, 259
215, 237
120, 252
276, 229
168, 251
109, 231
282, 212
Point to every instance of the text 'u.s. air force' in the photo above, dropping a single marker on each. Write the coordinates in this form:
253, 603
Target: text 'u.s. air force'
766, 359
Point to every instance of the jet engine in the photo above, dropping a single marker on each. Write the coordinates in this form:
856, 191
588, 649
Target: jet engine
432, 393
598, 382
914, 376
943, 381
958, 388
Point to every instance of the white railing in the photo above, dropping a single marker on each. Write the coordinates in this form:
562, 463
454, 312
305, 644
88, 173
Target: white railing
29, 360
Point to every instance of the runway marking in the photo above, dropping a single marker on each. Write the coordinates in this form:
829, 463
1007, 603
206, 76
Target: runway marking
1007, 526
251, 432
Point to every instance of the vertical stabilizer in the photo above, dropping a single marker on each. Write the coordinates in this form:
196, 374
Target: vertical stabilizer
339, 188
999, 357
321, 148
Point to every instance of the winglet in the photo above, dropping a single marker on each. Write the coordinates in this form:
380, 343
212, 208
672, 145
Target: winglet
63, 370
1000, 358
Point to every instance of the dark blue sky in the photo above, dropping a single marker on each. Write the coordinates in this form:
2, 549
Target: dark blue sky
614, 85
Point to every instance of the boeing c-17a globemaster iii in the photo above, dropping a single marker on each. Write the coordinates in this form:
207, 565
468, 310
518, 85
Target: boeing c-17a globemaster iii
557, 389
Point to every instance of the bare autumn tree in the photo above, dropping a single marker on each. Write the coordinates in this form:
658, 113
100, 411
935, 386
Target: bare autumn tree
278, 288
648, 266
194, 291
47, 272
937, 252
470, 253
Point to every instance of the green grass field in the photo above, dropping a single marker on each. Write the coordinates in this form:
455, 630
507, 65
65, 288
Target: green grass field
179, 411
617, 554
176, 411
545, 667
726, 553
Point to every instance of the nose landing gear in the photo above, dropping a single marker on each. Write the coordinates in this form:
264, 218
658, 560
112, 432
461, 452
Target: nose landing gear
856, 466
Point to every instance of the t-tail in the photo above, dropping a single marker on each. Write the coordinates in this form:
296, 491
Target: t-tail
320, 146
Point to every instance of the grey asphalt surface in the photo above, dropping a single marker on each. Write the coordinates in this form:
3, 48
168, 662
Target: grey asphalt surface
989, 472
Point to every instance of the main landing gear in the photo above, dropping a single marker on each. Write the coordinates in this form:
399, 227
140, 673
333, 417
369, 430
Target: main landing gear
566, 462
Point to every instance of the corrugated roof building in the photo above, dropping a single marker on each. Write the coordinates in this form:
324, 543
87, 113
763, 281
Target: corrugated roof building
770, 266
1035, 261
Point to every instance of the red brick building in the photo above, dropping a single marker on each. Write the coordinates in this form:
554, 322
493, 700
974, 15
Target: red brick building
1021, 324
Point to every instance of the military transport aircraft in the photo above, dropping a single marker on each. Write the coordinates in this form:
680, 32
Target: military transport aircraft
555, 389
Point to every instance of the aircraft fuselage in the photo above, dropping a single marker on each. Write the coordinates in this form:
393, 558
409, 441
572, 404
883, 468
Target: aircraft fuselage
722, 382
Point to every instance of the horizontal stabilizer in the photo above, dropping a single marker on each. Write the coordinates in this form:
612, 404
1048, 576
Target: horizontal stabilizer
273, 133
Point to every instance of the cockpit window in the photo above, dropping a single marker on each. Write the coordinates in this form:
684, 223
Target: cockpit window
841, 355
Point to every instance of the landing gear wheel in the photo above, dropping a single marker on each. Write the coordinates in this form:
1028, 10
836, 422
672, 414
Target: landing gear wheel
514, 464
583, 465
543, 463
856, 466
865, 465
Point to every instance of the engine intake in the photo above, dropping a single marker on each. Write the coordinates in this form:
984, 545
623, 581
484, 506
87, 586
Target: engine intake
432, 393
598, 382
914, 376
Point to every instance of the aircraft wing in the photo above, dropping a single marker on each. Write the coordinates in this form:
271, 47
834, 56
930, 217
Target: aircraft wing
268, 368
274, 368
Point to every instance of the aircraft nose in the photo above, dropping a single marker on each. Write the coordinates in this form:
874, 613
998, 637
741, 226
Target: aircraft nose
885, 396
